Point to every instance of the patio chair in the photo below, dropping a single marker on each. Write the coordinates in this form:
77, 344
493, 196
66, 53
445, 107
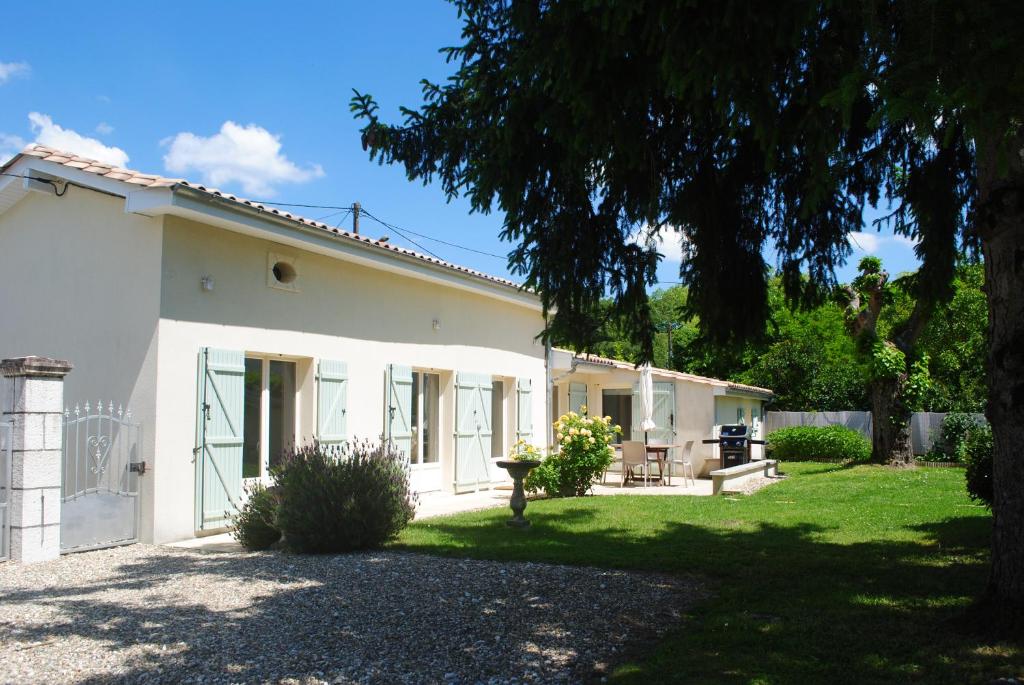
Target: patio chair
684, 462
616, 459
634, 454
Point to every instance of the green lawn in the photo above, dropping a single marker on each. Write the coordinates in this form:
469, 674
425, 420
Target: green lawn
839, 575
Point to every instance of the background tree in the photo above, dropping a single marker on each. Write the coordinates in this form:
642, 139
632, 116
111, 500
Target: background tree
898, 384
742, 123
955, 341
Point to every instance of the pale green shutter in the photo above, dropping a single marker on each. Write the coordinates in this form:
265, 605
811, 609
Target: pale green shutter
398, 412
524, 409
577, 397
220, 420
472, 430
664, 413
332, 402
634, 428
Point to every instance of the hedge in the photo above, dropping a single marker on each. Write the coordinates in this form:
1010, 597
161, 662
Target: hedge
808, 443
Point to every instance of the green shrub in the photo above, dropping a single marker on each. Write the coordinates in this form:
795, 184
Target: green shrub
800, 443
978, 458
254, 526
342, 499
585, 451
953, 434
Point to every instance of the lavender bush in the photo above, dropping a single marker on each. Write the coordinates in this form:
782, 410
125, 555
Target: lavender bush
342, 499
255, 525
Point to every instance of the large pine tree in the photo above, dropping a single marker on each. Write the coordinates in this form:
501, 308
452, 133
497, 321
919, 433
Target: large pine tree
743, 125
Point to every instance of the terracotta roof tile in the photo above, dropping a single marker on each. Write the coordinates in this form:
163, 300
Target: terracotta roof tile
620, 364
155, 181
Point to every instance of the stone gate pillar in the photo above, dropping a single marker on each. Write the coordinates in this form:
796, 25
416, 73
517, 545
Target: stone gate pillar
34, 404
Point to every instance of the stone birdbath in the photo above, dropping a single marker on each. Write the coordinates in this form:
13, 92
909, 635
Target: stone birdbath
518, 469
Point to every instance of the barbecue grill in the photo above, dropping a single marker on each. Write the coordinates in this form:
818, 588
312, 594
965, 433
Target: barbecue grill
734, 443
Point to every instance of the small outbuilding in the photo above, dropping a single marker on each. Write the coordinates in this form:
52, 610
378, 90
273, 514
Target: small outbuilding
686, 407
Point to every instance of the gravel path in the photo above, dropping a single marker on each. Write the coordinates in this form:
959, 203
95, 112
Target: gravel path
160, 614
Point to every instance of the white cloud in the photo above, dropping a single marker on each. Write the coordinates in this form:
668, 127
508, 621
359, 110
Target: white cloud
669, 243
871, 243
11, 70
52, 135
104, 129
248, 155
10, 146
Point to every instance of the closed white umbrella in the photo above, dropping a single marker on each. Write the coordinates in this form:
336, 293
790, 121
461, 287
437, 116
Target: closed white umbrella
646, 400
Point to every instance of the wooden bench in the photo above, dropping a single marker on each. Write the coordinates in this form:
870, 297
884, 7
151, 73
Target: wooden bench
736, 475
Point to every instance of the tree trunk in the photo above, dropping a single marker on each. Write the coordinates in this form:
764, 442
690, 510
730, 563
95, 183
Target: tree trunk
890, 423
1001, 226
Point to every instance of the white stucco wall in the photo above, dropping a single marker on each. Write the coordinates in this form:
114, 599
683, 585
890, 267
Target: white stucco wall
80, 280
695, 402
342, 311
726, 408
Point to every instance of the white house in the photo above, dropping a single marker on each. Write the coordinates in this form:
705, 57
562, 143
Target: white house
686, 407
233, 330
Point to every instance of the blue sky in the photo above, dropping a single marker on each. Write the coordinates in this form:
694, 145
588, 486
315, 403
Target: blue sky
189, 89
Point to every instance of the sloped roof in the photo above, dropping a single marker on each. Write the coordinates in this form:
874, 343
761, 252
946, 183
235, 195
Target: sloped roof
619, 364
143, 180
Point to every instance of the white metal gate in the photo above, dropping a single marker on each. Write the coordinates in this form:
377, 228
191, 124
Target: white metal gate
5, 491
100, 479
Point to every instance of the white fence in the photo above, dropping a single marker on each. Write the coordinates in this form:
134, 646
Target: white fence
924, 426
859, 421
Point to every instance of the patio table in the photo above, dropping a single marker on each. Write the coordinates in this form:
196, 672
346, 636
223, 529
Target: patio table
660, 453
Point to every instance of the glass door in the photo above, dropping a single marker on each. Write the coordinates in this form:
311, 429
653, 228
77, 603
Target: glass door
270, 414
426, 402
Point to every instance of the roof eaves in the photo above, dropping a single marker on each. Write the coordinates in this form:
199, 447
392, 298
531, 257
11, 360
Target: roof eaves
143, 180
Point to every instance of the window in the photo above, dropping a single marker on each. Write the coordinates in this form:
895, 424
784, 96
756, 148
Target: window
426, 398
251, 462
282, 272
282, 409
741, 415
618, 404
270, 414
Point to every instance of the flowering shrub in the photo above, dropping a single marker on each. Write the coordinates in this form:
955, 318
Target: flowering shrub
584, 451
337, 500
255, 526
524, 451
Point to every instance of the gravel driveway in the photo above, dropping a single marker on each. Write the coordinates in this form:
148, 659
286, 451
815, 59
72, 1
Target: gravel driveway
159, 614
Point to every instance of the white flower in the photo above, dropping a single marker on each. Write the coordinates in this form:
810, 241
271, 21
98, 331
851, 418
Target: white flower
592, 440
559, 437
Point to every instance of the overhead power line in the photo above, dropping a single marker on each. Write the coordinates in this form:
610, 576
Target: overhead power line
296, 204
348, 209
432, 238
401, 233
